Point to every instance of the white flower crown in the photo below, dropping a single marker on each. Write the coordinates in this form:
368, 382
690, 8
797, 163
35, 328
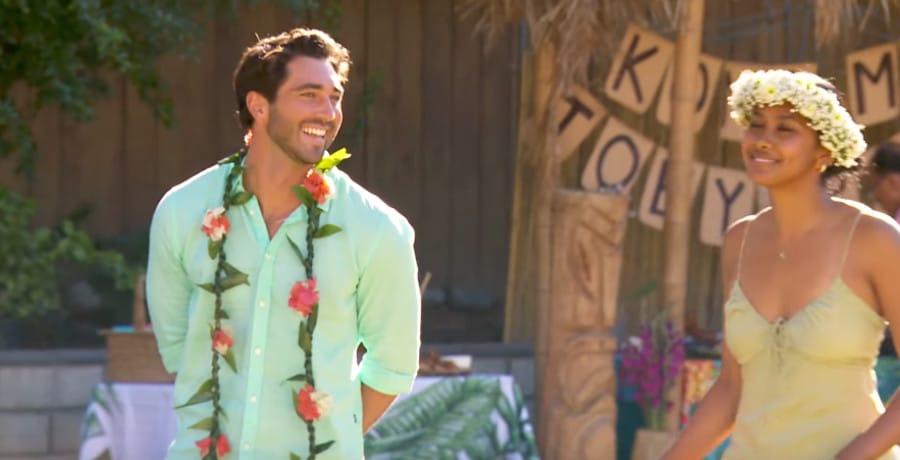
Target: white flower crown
763, 88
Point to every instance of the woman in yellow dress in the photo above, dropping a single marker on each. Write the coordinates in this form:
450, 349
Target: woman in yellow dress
810, 283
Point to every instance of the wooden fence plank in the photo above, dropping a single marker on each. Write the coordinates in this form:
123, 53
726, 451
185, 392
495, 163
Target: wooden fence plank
495, 167
434, 241
353, 35
382, 62
466, 253
405, 167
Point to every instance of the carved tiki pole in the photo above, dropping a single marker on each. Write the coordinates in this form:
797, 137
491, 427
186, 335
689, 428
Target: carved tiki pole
575, 347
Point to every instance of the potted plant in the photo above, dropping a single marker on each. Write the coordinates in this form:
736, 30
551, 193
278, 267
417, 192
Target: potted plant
651, 362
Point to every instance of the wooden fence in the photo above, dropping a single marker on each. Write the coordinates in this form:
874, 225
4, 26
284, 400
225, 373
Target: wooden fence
429, 117
431, 120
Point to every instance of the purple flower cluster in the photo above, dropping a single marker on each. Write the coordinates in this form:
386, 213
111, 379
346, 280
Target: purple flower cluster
650, 363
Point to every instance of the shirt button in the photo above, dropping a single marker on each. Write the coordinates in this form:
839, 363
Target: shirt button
262, 304
253, 399
268, 256
257, 351
252, 213
247, 446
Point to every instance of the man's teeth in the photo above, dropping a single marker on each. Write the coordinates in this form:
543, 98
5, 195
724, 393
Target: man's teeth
314, 131
763, 160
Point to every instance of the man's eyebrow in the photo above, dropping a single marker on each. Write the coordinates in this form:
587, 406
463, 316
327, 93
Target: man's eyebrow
317, 86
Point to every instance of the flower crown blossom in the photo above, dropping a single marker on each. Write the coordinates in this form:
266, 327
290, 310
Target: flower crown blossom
838, 133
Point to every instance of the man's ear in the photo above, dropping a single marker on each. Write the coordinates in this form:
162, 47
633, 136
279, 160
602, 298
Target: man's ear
257, 105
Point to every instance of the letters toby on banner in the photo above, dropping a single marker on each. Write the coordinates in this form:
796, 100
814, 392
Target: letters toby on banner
872, 83
575, 116
706, 83
730, 130
728, 195
653, 200
617, 158
638, 68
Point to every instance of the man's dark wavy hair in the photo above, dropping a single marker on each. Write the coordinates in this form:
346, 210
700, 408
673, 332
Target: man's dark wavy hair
262, 67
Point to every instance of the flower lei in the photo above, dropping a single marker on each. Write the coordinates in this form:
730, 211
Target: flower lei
309, 404
837, 131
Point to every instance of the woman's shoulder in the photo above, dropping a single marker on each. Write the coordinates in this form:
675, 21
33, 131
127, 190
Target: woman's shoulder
738, 228
871, 222
875, 230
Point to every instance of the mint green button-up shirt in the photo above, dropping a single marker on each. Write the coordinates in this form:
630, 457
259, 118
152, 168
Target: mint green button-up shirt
368, 287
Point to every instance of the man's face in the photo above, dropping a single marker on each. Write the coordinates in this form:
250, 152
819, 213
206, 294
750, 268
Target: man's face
306, 115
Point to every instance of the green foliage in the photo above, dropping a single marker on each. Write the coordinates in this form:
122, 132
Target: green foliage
57, 54
29, 268
451, 416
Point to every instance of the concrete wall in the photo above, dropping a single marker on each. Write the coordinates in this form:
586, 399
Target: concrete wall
43, 394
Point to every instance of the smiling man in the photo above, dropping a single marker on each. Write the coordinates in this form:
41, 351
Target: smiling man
269, 269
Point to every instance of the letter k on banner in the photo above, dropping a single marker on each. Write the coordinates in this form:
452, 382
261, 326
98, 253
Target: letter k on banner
638, 69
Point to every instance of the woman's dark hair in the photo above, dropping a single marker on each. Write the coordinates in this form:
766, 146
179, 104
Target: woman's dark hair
835, 178
262, 67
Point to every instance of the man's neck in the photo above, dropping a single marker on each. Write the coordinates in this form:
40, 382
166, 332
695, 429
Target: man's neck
270, 175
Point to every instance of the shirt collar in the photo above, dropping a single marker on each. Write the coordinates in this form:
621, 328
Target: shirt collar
239, 187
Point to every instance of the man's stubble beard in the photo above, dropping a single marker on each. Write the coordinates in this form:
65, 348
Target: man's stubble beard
280, 133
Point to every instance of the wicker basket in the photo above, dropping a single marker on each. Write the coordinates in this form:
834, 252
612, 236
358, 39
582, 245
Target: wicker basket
133, 356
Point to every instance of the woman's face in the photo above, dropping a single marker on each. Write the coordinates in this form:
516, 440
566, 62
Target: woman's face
779, 147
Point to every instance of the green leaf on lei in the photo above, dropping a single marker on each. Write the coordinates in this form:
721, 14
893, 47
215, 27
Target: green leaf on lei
214, 248
203, 394
208, 287
305, 340
297, 250
322, 447
205, 424
240, 198
294, 395
313, 319
297, 378
229, 358
233, 277
233, 158
332, 160
327, 230
304, 196
295, 456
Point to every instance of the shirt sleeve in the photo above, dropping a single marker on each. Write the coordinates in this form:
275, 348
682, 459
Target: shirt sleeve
388, 302
168, 287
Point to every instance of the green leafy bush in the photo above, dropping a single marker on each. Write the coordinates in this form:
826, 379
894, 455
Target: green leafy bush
32, 257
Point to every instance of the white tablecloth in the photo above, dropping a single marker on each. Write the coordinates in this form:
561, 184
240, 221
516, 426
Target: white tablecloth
134, 421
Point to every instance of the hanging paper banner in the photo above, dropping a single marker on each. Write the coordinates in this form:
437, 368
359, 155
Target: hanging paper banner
705, 87
617, 159
728, 196
575, 116
872, 83
730, 71
638, 68
653, 201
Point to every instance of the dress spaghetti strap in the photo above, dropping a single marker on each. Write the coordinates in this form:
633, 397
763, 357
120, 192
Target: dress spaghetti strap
849, 240
740, 261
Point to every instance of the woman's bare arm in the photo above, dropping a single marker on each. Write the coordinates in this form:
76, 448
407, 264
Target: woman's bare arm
879, 251
714, 418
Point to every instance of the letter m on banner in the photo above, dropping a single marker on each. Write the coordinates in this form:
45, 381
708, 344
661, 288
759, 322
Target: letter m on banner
638, 69
873, 82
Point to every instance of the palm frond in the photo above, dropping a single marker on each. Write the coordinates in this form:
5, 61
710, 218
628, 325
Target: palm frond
451, 416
